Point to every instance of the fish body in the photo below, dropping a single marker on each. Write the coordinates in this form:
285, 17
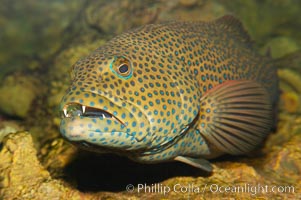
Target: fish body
184, 91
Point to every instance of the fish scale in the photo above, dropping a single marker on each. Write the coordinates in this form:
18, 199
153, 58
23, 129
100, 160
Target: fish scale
157, 93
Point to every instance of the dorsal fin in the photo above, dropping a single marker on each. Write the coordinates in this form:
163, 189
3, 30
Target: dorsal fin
234, 27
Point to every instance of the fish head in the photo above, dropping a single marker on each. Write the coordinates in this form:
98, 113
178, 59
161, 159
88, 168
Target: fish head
124, 102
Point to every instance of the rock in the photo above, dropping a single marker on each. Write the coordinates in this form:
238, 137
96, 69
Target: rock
289, 82
283, 158
267, 18
20, 168
56, 155
291, 101
22, 175
291, 61
7, 127
39, 36
17, 95
113, 17
280, 46
193, 10
188, 3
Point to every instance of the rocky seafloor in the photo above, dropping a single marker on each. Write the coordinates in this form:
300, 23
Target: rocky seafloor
35, 60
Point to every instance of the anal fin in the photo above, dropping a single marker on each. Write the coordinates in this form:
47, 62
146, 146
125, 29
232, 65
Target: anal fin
236, 116
196, 162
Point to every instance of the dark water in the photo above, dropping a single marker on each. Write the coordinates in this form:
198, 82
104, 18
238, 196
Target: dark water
95, 173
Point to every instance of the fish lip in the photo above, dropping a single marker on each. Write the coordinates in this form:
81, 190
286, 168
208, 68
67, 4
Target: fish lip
88, 146
85, 111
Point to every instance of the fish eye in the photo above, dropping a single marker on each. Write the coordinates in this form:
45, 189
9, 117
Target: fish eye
121, 67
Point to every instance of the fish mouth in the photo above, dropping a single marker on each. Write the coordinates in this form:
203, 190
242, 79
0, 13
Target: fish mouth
99, 129
71, 110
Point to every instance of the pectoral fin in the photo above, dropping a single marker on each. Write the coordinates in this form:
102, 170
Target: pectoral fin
196, 162
236, 116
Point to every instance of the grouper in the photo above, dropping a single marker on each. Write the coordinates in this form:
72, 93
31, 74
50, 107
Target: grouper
176, 91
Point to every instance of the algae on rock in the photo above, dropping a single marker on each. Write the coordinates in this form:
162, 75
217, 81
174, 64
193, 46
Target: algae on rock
17, 95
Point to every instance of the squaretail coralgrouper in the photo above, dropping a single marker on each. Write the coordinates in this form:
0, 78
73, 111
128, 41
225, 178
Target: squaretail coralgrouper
184, 91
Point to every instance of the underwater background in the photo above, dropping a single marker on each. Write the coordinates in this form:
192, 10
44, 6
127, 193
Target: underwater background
39, 42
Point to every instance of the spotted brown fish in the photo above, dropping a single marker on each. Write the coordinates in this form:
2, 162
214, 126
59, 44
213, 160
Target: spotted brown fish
185, 91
